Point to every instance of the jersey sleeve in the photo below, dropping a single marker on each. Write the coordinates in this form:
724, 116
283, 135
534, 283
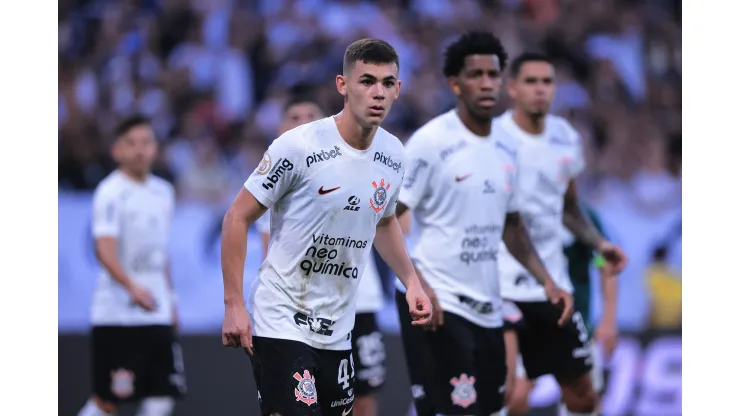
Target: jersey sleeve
390, 209
279, 171
106, 212
420, 157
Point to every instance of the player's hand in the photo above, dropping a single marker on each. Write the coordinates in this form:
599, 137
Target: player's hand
509, 385
607, 335
420, 307
438, 316
237, 328
615, 258
142, 297
560, 297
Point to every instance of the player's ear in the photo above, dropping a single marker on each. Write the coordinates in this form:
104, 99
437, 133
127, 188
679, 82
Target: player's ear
342, 85
511, 87
398, 88
454, 86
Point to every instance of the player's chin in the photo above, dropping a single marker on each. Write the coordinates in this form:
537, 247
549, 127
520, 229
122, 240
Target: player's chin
374, 120
483, 112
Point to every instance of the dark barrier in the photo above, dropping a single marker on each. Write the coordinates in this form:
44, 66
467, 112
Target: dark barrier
645, 379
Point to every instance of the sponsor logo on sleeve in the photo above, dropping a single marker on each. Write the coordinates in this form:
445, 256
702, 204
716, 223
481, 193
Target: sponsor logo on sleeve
277, 172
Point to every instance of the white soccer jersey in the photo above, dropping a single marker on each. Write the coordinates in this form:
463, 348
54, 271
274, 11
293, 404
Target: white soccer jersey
369, 291
138, 215
459, 187
326, 199
547, 163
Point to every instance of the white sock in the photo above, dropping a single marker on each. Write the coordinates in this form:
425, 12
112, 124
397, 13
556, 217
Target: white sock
91, 409
156, 406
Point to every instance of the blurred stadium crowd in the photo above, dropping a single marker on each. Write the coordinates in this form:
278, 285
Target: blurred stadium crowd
214, 75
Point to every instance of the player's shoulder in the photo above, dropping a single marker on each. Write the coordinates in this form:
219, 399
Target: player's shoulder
435, 134
112, 185
161, 185
387, 141
503, 132
561, 131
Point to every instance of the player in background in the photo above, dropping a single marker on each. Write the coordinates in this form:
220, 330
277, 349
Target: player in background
550, 158
303, 301
580, 258
135, 352
368, 348
460, 189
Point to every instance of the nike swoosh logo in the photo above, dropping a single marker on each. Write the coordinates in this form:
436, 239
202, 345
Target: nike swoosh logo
323, 191
345, 412
462, 178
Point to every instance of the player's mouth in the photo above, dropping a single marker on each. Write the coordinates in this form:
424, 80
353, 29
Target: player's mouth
486, 102
377, 110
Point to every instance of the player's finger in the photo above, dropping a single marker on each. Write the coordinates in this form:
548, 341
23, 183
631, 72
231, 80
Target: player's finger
224, 339
567, 311
246, 342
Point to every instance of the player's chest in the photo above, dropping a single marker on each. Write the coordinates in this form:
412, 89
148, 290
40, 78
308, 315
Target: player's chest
353, 190
145, 212
476, 172
545, 170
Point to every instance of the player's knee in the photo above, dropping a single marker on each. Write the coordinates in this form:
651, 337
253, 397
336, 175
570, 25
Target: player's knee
157, 406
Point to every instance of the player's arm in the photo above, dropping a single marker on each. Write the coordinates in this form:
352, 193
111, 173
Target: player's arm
521, 248
264, 187
243, 212
606, 331
517, 241
106, 229
578, 223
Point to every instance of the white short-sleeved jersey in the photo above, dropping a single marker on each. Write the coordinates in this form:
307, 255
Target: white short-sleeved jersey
138, 215
326, 199
369, 291
547, 163
460, 187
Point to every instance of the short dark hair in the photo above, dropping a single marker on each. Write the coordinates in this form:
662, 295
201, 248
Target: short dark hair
130, 122
472, 43
369, 51
519, 61
298, 99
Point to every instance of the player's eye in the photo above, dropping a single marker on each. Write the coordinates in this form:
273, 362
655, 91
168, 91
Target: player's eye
389, 84
366, 82
547, 81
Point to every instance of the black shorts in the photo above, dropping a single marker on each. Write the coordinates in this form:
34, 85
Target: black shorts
419, 360
368, 350
547, 348
467, 359
294, 379
133, 362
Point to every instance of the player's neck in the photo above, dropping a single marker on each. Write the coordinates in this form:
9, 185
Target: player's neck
352, 132
477, 126
134, 176
530, 124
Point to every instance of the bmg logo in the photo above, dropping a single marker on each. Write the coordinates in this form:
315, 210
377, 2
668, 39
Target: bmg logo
283, 165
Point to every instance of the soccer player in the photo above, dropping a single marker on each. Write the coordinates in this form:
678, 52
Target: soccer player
332, 187
460, 187
368, 348
550, 158
136, 355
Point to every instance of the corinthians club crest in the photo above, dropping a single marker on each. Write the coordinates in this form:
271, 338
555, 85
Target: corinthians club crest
380, 196
305, 391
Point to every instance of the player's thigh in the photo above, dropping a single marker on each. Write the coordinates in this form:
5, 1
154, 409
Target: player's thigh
453, 348
419, 360
336, 382
490, 368
285, 373
165, 372
118, 362
548, 348
368, 350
